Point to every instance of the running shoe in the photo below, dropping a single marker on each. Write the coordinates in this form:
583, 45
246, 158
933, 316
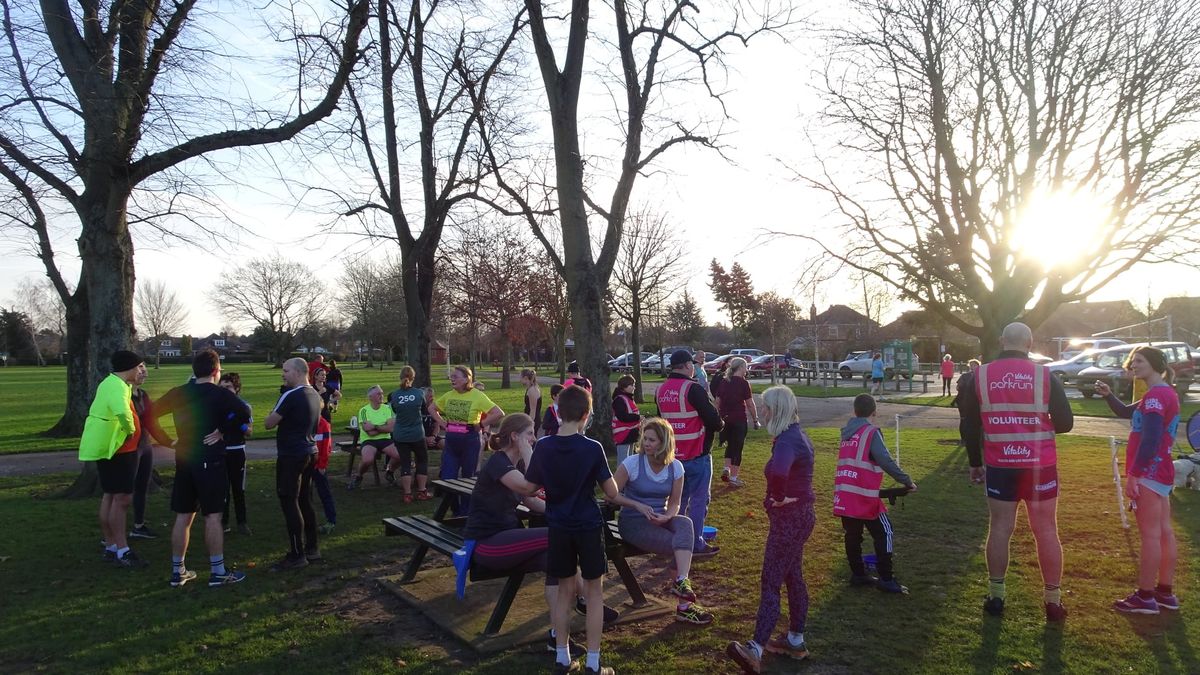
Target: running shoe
1136, 604
131, 561
891, 586
389, 476
694, 614
142, 532
354, 483
1166, 601
313, 556
227, 579
736, 481
327, 528
572, 667
863, 580
683, 589
610, 614
781, 645
573, 647
244, 529
180, 578
1056, 613
725, 475
407, 499
994, 606
228, 528
603, 670
745, 657
705, 553
423, 495
288, 563
109, 556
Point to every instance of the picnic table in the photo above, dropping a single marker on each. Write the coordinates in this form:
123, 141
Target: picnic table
444, 534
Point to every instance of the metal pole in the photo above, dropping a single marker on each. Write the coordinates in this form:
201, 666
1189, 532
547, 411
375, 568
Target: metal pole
1112, 443
897, 439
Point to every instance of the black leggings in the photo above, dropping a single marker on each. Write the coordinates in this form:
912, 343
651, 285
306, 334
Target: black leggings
141, 484
235, 467
521, 549
293, 484
881, 532
408, 449
735, 439
946, 385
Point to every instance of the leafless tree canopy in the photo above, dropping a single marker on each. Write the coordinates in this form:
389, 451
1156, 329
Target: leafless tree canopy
956, 116
277, 295
158, 309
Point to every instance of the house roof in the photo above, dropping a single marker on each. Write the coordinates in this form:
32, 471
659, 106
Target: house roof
842, 315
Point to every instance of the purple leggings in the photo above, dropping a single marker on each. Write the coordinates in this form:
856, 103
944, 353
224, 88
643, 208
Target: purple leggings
783, 564
519, 549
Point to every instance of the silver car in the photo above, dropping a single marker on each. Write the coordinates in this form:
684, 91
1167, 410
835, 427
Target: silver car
1067, 369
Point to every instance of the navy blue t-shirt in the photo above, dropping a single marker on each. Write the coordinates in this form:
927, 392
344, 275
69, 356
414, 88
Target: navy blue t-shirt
570, 468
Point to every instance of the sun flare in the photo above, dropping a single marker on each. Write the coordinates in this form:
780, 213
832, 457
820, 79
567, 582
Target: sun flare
1059, 227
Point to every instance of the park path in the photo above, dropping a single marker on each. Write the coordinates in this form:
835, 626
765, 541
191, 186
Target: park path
814, 412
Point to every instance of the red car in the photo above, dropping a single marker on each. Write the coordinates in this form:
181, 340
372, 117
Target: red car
763, 364
715, 365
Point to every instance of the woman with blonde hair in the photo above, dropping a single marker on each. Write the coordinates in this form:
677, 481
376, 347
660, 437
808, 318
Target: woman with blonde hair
533, 396
464, 411
408, 433
790, 517
737, 408
655, 478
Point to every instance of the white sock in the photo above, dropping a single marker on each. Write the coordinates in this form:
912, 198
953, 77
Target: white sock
111, 547
755, 647
122, 551
679, 579
795, 639
593, 660
564, 654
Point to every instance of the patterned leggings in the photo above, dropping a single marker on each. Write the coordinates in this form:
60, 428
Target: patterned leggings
783, 564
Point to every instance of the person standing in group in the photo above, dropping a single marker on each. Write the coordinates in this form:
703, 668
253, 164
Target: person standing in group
701, 376
1149, 479
110, 438
862, 461
737, 408
295, 415
655, 478
966, 381
569, 466
689, 410
533, 397
876, 374
464, 411
790, 518
323, 438
551, 420
947, 373
408, 435
1010, 417
150, 429
235, 459
205, 414
329, 396
435, 436
375, 422
574, 378
626, 418
334, 376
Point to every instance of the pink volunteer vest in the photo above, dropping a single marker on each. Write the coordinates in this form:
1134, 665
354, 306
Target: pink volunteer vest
857, 480
622, 429
1014, 399
685, 421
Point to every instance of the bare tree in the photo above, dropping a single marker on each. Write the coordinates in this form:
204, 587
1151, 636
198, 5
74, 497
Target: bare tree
278, 296
648, 265
656, 47
103, 105
159, 312
41, 303
962, 120
875, 298
774, 321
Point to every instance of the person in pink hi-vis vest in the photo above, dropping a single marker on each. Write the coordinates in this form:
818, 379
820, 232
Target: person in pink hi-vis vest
1010, 417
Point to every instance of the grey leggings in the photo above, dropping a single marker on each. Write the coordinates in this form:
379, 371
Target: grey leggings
676, 535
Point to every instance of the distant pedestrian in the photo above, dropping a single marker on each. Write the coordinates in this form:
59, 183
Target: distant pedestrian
701, 376
334, 376
947, 373
110, 437
626, 418
790, 517
235, 459
533, 397
330, 397
574, 378
551, 420
876, 374
737, 410
295, 415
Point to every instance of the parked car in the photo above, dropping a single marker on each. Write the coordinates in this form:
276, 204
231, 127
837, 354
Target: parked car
747, 353
1110, 368
1067, 369
1040, 359
652, 364
665, 365
1078, 345
715, 365
855, 363
625, 361
609, 357
765, 363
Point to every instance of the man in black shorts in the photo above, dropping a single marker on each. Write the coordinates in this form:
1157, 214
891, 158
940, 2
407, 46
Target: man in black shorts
296, 416
204, 413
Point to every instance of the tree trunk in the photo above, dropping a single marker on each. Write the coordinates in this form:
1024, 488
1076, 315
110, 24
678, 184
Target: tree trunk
505, 374
635, 331
87, 484
79, 396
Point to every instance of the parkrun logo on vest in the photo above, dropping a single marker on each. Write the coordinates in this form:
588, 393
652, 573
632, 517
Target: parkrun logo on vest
1017, 381
670, 396
847, 473
1016, 451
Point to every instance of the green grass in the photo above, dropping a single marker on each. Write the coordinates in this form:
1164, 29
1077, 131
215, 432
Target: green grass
1092, 407
32, 398
64, 611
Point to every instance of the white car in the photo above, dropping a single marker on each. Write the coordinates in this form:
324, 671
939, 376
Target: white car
855, 363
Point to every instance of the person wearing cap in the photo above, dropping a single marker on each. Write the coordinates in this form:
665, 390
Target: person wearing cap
694, 419
110, 438
574, 378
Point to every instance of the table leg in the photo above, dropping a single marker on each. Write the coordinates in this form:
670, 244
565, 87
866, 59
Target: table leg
448, 498
503, 603
630, 580
414, 564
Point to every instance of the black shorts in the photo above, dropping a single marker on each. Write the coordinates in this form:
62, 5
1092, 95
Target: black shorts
117, 474
570, 550
378, 443
200, 486
1015, 485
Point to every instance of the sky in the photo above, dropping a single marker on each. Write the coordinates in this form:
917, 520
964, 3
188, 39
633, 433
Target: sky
722, 206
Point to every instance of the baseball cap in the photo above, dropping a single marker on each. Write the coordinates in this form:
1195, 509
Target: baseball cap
680, 357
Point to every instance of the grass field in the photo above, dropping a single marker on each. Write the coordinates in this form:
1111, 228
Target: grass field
1093, 407
65, 611
31, 399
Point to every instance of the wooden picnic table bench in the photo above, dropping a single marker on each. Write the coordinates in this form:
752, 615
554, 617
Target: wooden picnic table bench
354, 449
444, 535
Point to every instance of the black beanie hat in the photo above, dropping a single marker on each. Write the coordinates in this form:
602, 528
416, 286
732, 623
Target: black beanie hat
125, 360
